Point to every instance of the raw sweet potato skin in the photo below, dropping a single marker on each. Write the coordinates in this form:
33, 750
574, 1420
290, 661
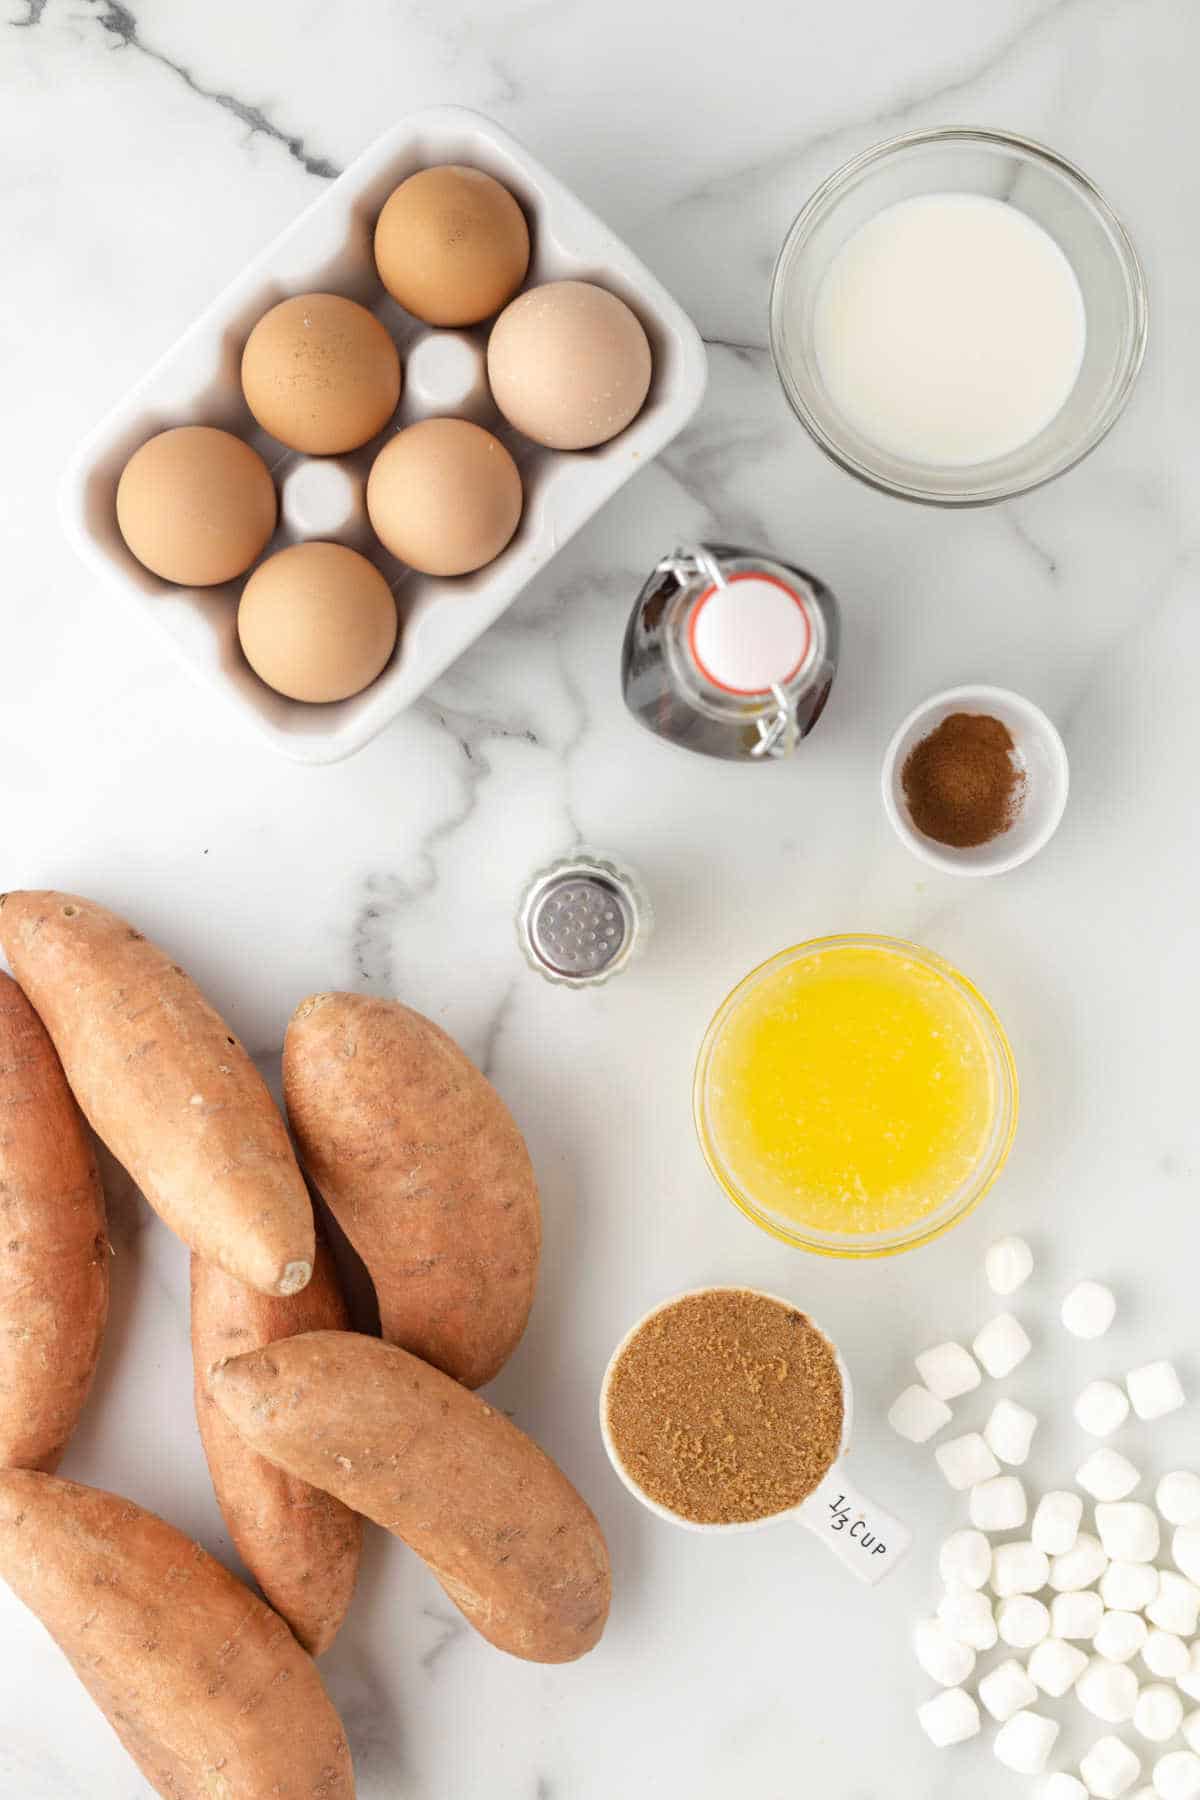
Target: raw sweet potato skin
301, 1545
512, 1543
426, 1172
207, 1689
165, 1085
53, 1245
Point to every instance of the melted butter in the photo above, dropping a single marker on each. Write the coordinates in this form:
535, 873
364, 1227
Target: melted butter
851, 1091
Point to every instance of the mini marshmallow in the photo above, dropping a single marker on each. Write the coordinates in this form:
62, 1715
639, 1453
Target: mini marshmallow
1055, 1666
1061, 1786
967, 1615
1189, 1681
1005, 1689
1008, 1265
1129, 1531
948, 1371
1076, 1615
1158, 1713
965, 1559
1056, 1522
1177, 1776
1185, 1551
1025, 1741
1019, 1569
1155, 1390
1022, 1621
998, 1504
1191, 1731
1178, 1497
1129, 1587
1176, 1606
1110, 1768
1002, 1345
1080, 1566
951, 1717
1107, 1475
1108, 1691
1101, 1409
1120, 1635
941, 1655
918, 1415
966, 1461
1089, 1309
1009, 1431
1166, 1655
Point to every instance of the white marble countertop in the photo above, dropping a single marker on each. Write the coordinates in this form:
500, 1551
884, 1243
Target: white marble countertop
146, 151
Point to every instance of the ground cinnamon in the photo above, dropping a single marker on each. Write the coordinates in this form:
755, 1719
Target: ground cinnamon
726, 1406
963, 783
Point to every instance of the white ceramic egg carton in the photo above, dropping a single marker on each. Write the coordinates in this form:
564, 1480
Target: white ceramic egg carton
329, 248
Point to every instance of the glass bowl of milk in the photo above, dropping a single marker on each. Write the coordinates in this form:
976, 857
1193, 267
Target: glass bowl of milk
958, 316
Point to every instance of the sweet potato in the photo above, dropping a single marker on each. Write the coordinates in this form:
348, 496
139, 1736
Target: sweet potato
206, 1688
501, 1527
301, 1545
166, 1085
53, 1246
419, 1159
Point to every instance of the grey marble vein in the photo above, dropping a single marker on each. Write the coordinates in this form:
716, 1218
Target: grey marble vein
1044, 557
450, 1628
387, 894
745, 349
494, 1029
121, 24
377, 1722
694, 473
910, 100
451, 41
578, 702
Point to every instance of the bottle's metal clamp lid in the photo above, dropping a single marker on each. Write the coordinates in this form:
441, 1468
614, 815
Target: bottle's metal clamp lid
749, 636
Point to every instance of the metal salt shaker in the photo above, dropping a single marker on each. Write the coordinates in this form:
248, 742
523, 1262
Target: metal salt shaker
730, 652
582, 920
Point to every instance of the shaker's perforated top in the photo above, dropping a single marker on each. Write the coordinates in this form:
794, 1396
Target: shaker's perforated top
578, 925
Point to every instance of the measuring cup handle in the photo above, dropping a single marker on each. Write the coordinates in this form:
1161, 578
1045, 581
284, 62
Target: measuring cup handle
860, 1534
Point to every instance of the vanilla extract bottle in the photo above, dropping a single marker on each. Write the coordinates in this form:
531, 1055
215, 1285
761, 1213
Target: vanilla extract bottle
730, 653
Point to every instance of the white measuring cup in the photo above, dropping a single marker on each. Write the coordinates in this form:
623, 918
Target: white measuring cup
860, 1534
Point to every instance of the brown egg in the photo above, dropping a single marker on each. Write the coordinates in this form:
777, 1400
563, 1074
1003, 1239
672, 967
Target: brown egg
569, 364
321, 374
444, 496
317, 622
196, 505
451, 245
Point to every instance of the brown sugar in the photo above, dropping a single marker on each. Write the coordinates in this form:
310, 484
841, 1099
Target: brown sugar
726, 1406
962, 783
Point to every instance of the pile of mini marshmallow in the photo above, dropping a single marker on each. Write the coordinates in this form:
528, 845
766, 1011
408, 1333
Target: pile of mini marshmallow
1105, 1590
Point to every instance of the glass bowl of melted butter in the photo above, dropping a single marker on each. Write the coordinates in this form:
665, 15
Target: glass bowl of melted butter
855, 1096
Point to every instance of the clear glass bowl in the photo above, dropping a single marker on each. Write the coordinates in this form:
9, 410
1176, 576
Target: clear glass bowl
956, 1206
1048, 190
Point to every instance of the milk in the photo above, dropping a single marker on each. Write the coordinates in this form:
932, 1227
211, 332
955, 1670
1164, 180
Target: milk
949, 329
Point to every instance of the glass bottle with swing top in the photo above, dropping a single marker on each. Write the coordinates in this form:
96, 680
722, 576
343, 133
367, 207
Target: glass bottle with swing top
730, 652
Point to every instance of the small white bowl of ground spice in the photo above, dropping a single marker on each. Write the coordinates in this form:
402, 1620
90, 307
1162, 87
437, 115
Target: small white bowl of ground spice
975, 780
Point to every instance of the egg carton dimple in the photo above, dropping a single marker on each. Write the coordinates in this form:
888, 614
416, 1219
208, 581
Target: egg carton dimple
329, 248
